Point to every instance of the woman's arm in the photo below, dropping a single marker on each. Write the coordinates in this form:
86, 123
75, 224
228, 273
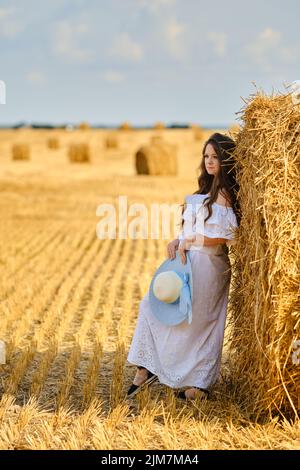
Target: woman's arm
207, 241
197, 240
201, 240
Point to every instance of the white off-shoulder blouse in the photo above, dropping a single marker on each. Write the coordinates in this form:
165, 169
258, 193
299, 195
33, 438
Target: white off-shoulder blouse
221, 224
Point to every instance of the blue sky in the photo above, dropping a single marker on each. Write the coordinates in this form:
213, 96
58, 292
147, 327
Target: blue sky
106, 61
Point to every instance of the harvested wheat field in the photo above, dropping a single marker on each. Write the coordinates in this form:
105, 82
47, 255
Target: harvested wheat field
69, 304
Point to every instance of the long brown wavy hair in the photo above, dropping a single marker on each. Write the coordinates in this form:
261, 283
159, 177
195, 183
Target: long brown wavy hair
224, 147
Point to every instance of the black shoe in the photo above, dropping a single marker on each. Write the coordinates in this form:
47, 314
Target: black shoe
134, 389
183, 396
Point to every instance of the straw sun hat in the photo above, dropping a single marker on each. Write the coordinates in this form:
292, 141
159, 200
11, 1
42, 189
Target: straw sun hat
171, 291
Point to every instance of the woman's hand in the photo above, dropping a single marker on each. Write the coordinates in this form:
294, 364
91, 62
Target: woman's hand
196, 240
185, 245
172, 247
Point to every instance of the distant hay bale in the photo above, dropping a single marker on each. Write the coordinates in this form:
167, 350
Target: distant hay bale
234, 130
198, 132
111, 142
158, 158
79, 152
21, 152
125, 126
83, 126
159, 125
53, 143
265, 324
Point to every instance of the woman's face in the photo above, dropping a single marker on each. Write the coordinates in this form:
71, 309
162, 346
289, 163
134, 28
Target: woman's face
211, 161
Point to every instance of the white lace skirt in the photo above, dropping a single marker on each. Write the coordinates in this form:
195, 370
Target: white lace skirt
188, 355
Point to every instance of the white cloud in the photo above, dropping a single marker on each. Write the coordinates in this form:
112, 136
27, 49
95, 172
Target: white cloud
35, 77
113, 76
66, 41
174, 38
219, 41
290, 54
124, 47
10, 25
260, 51
264, 42
155, 6
267, 49
5, 12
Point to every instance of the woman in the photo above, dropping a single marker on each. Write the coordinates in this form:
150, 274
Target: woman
190, 355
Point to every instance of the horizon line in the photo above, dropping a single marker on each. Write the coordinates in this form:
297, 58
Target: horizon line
40, 124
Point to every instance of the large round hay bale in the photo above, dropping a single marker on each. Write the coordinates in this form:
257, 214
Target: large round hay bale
79, 152
265, 324
20, 152
53, 143
156, 139
111, 142
156, 159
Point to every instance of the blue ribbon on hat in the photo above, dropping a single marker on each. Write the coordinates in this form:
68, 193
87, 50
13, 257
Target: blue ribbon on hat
185, 301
